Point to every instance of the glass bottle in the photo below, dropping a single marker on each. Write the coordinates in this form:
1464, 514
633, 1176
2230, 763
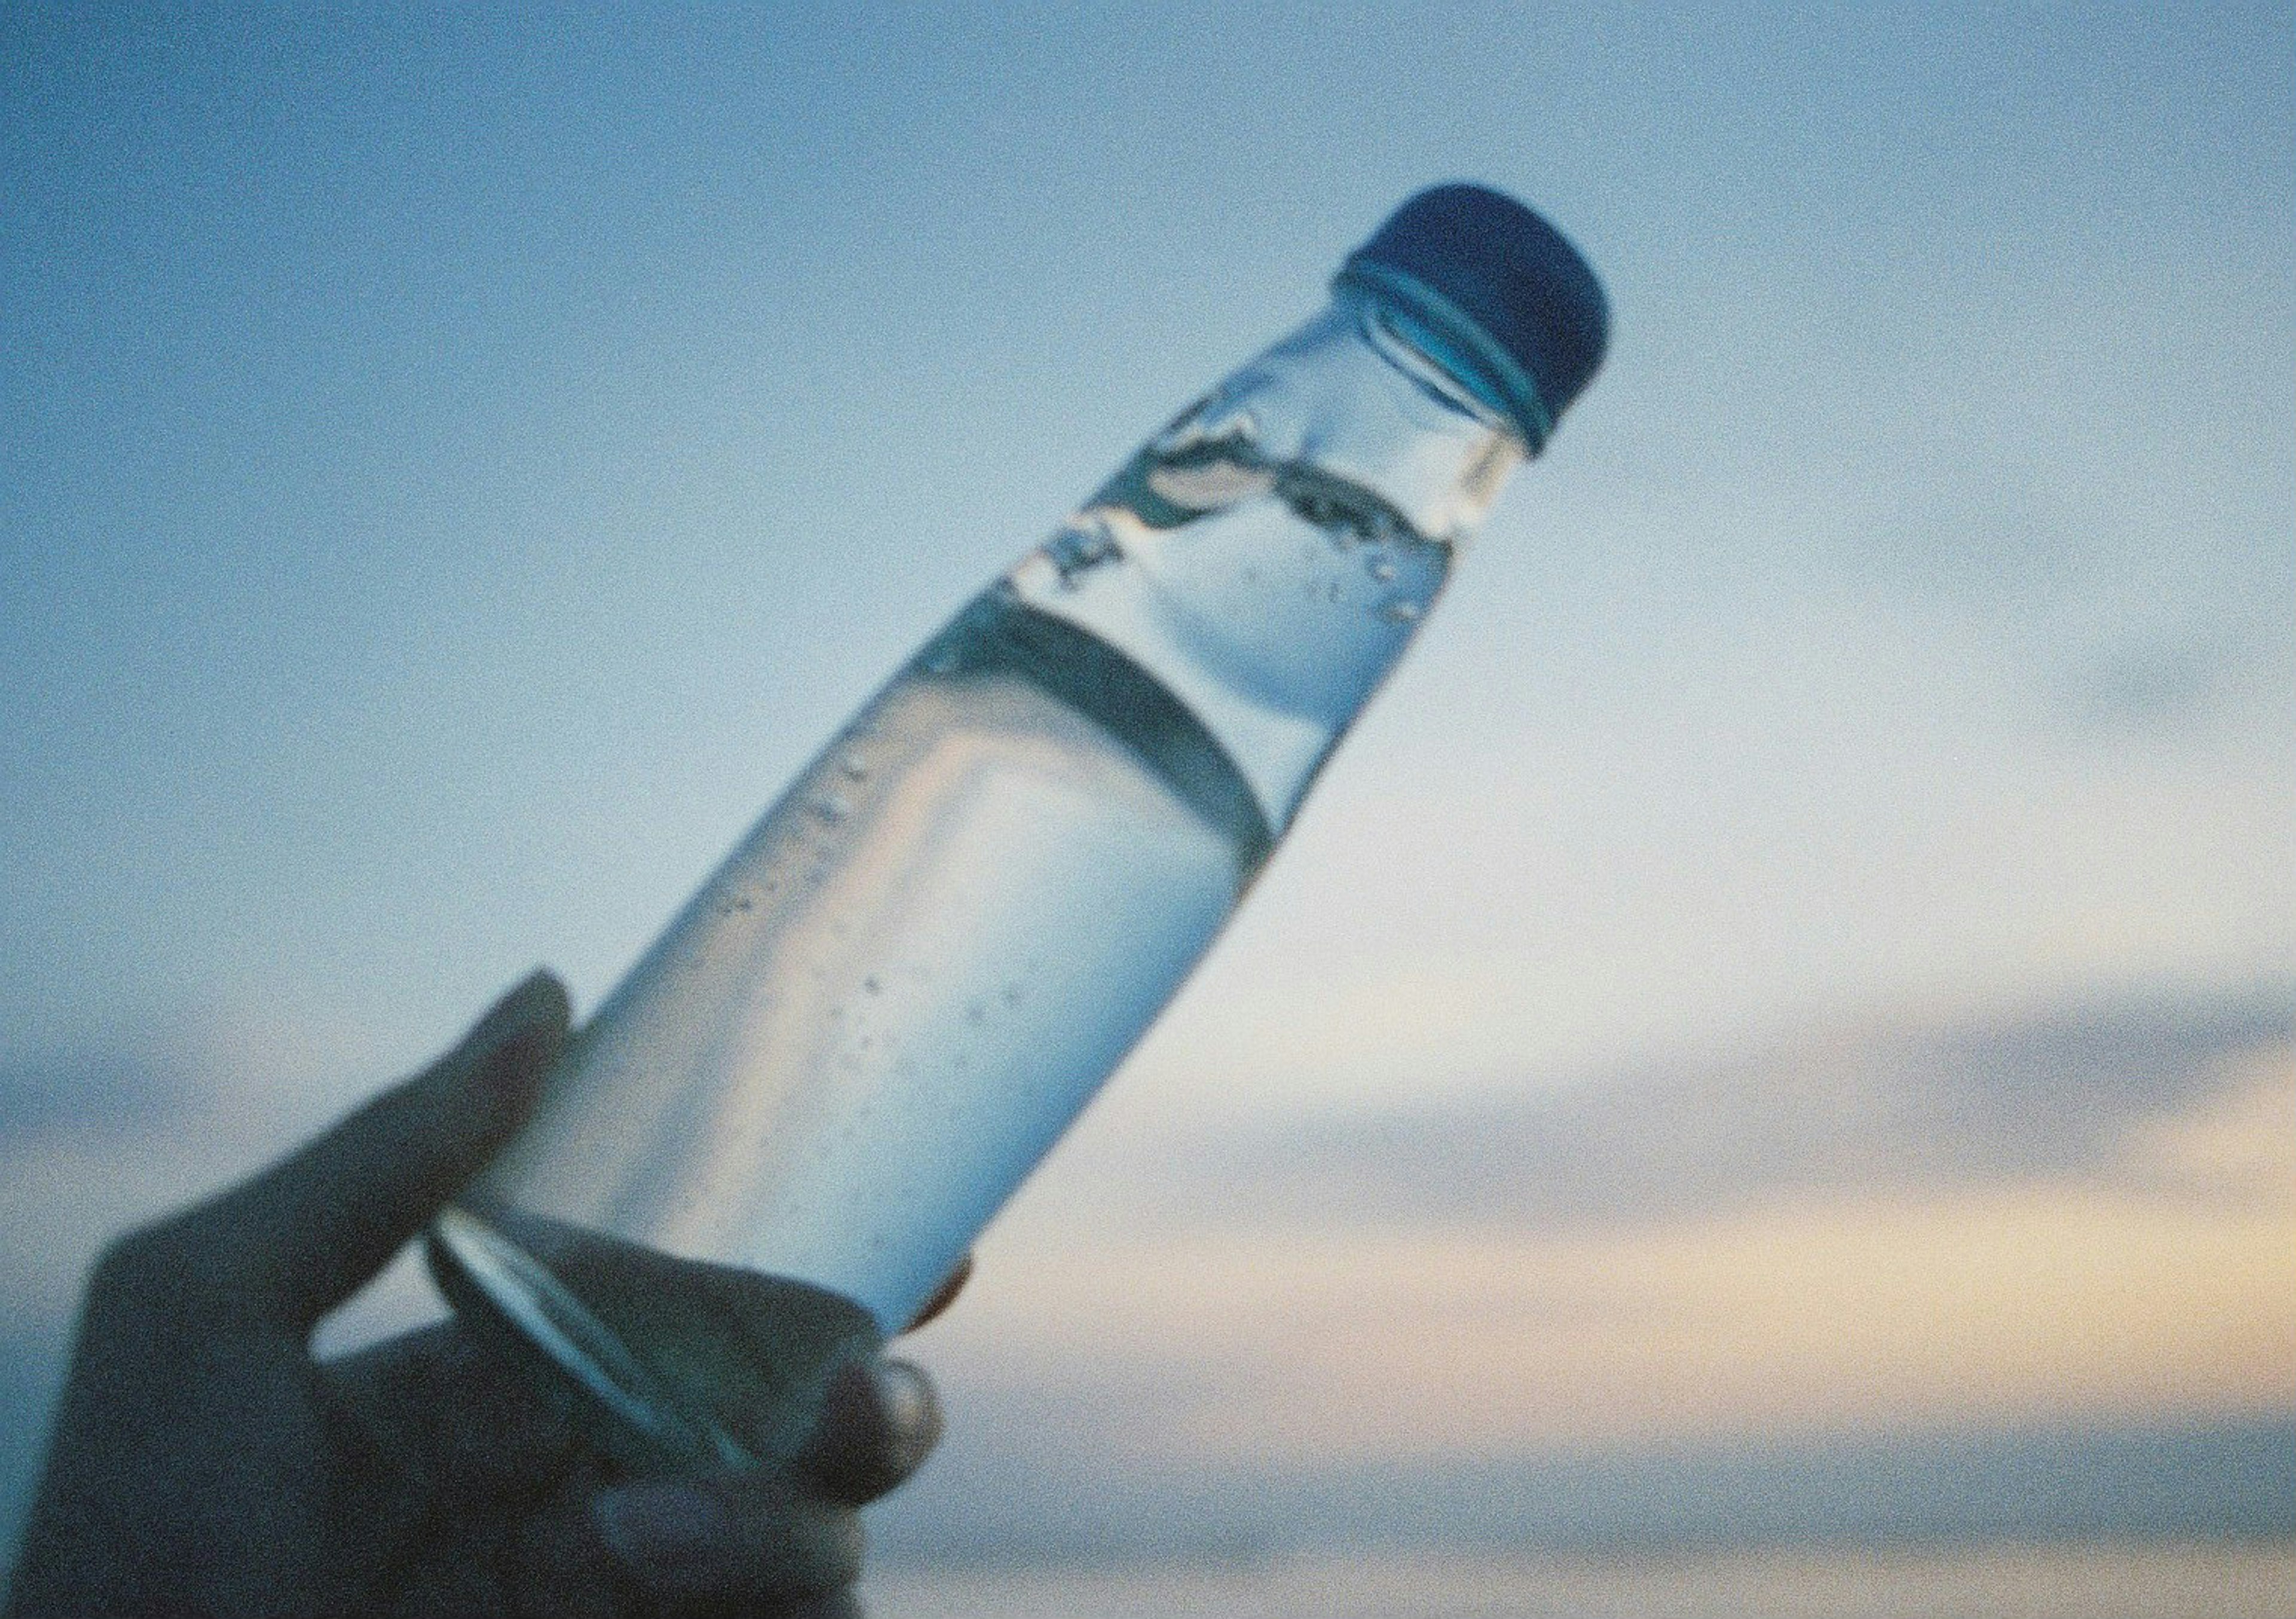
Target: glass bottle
867, 1028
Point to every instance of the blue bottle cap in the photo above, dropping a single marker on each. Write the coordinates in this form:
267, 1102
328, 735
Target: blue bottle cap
1466, 256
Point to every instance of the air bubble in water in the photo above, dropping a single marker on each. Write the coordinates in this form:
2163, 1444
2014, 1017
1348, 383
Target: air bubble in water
1382, 571
1211, 484
856, 768
832, 808
1400, 611
1078, 549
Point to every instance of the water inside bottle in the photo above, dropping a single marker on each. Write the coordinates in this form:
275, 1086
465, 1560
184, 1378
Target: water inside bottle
911, 976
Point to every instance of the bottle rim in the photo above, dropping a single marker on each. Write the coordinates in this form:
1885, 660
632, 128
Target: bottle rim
1481, 364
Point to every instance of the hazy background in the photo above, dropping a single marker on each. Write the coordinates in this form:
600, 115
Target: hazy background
1781, 1027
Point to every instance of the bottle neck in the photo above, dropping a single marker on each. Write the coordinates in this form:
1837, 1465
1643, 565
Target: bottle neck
1266, 557
1370, 395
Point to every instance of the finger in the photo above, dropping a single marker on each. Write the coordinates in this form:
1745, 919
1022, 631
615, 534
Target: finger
944, 1296
462, 1428
290, 1244
880, 1419
687, 1544
737, 1355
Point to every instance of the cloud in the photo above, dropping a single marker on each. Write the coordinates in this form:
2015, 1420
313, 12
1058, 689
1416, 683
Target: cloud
123, 1084
2079, 1214
2149, 688
2050, 1095
2171, 687
97, 1137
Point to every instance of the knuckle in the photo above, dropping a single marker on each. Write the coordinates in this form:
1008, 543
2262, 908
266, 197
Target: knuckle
133, 1263
738, 1539
832, 1549
152, 1269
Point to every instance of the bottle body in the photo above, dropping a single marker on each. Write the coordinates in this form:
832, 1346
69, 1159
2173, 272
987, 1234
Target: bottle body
884, 1009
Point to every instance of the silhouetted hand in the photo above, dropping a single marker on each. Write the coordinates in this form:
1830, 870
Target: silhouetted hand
203, 1462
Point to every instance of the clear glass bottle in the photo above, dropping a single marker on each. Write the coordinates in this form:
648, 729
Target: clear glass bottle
868, 1026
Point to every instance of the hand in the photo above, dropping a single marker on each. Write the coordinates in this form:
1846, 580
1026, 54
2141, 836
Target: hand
204, 1462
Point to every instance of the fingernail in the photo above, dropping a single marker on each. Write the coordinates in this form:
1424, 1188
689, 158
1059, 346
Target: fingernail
912, 1412
903, 1394
663, 1531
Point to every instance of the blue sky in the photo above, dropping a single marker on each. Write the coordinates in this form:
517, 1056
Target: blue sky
454, 467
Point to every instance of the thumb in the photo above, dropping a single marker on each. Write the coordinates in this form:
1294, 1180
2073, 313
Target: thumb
303, 1236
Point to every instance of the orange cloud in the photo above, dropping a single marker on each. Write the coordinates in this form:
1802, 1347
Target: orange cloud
2157, 1285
